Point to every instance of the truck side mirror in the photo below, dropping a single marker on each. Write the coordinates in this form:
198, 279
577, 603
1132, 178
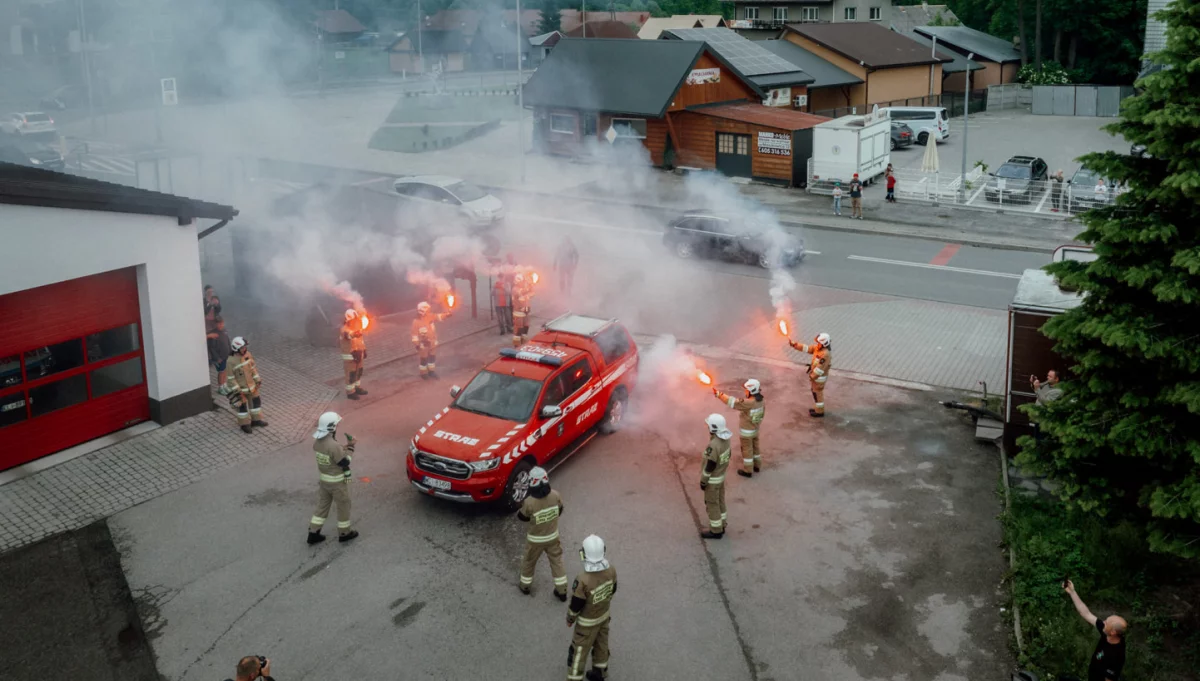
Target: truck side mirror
455, 390
551, 411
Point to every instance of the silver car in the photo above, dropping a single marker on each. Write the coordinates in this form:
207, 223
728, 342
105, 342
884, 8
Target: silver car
440, 194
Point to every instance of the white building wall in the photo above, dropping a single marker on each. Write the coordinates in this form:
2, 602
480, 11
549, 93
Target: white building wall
1156, 31
48, 245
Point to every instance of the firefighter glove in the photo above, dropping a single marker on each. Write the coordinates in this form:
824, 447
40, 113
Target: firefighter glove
716, 392
345, 464
703, 486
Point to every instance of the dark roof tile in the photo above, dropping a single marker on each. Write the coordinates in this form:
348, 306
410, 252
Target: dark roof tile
862, 41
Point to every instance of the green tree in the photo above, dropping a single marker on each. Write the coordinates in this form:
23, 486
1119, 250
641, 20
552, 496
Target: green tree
1125, 437
549, 19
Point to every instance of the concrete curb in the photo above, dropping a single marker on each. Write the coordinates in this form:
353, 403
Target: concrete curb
1012, 553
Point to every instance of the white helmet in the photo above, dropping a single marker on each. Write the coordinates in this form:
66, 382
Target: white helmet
716, 426
327, 424
823, 340
592, 554
423, 307
538, 476
237, 343
350, 315
752, 386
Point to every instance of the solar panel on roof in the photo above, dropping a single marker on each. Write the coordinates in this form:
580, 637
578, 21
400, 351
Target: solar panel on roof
745, 55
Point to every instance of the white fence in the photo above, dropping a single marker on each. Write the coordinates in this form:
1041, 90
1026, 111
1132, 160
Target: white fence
1009, 96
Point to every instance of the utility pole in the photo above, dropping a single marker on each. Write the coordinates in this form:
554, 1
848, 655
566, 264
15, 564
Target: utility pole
962, 181
583, 15
158, 104
85, 60
520, 93
932, 55
420, 30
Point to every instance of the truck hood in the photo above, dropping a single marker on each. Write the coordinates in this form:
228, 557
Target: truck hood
463, 435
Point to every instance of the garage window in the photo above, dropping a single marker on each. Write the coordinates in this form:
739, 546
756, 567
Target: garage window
851, 14
633, 128
113, 377
58, 395
562, 123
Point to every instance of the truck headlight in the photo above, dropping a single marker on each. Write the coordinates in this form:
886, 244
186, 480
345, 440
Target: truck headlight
412, 448
484, 465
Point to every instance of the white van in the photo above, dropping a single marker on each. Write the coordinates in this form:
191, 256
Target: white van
924, 120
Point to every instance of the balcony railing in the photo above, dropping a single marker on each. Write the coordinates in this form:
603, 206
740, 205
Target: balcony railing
769, 24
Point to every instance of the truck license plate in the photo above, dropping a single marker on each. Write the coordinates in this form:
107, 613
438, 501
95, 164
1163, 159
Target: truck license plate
434, 482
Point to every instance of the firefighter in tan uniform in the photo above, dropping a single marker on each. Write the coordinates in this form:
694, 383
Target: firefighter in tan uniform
244, 382
818, 370
751, 411
712, 475
591, 595
354, 353
541, 510
522, 291
333, 465
425, 340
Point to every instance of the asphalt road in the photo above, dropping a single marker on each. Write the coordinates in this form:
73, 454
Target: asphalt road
865, 550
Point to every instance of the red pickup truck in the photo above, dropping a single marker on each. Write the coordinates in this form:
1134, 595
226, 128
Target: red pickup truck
531, 406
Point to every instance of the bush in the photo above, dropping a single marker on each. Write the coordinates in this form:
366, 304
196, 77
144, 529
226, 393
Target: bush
1052, 73
1114, 572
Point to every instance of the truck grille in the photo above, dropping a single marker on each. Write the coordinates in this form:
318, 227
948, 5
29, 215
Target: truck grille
448, 468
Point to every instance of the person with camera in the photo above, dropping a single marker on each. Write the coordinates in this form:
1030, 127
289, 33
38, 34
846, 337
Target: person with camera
253, 667
1109, 657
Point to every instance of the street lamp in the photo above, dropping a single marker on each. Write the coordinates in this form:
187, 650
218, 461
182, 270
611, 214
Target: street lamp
520, 93
962, 182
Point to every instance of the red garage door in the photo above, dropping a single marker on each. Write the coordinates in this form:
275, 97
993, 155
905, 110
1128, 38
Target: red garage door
71, 365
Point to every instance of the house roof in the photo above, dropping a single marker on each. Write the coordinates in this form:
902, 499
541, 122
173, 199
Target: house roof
748, 56
958, 62
654, 26
867, 43
338, 21
546, 39
908, 17
967, 40
595, 75
572, 18
769, 116
706, 20
824, 74
432, 42
499, 36
467, 20
22, 186
602, 29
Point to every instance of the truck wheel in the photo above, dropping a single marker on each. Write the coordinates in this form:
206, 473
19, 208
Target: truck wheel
764, 261
518, 486
614, 414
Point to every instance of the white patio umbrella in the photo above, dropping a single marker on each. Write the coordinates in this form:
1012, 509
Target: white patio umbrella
929, 164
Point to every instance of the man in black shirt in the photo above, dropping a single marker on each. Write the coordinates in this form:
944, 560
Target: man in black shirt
1109, 657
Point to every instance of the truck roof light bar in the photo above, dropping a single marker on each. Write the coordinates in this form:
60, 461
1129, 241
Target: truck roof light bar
513, 353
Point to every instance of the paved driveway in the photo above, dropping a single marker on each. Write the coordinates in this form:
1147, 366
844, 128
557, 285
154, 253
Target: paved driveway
866, 550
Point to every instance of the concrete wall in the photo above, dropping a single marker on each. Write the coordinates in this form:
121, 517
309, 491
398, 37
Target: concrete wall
57, 245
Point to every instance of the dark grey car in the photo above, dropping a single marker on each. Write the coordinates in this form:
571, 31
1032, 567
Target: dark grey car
26, 152
902, 135
1082, 194
1020, 179
713, 235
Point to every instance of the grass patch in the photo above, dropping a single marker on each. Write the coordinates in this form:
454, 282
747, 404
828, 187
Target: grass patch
420, 138
1114, 572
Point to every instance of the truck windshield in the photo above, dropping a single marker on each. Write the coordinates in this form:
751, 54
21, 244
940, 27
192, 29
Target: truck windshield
500, 396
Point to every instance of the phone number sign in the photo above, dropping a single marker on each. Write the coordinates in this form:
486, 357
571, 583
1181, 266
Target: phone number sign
774, 144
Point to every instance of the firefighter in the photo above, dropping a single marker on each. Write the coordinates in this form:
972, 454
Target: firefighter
500, 301
424, 338
522, 291
751, 411
818, 370
712, 475
244, 379
591, 595
541, 510
333, 465
354, 352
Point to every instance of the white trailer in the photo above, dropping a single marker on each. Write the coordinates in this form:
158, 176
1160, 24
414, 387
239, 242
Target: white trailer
849, 145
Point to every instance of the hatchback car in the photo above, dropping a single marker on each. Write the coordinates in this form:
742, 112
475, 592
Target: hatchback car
743, 239
26, 123
23, 151
451, 198
902, 135
1082, 194
1020, 179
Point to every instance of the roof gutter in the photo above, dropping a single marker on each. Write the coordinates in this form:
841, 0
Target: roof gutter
212, 229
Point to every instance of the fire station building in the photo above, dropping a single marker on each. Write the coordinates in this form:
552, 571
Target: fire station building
101, 324
680, 100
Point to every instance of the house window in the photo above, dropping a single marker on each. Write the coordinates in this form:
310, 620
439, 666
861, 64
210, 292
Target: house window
634, 128
751, 13
851, 14
810, 14
876, 14
779, 13
562, 123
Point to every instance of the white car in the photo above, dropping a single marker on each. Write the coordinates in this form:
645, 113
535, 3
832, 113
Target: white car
441, 193
27, 123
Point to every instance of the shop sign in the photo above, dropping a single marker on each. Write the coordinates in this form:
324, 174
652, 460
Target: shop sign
704, 76
774, 144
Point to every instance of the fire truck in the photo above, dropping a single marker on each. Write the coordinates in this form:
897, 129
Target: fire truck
531, 406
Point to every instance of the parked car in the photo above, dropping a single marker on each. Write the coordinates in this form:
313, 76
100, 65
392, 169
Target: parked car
902, 135
1020, 179
1081, 191
26, 152
924, 120
532, 406
452, 198
26, 123
744, 239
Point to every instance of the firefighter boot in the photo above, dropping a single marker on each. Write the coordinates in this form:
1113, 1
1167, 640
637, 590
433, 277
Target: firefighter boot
524, 589
348, 536
746, 474
360, 391
315, 538
247, 429
260, 423
432, 373
816, 414
709, 534
596, 675
352, 396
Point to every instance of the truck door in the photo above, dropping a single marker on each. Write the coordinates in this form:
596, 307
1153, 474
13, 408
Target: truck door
579, 413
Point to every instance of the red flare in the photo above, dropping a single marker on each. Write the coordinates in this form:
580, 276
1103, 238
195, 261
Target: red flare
366, 321
450, 300
534, 277
704, 378
783, 327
